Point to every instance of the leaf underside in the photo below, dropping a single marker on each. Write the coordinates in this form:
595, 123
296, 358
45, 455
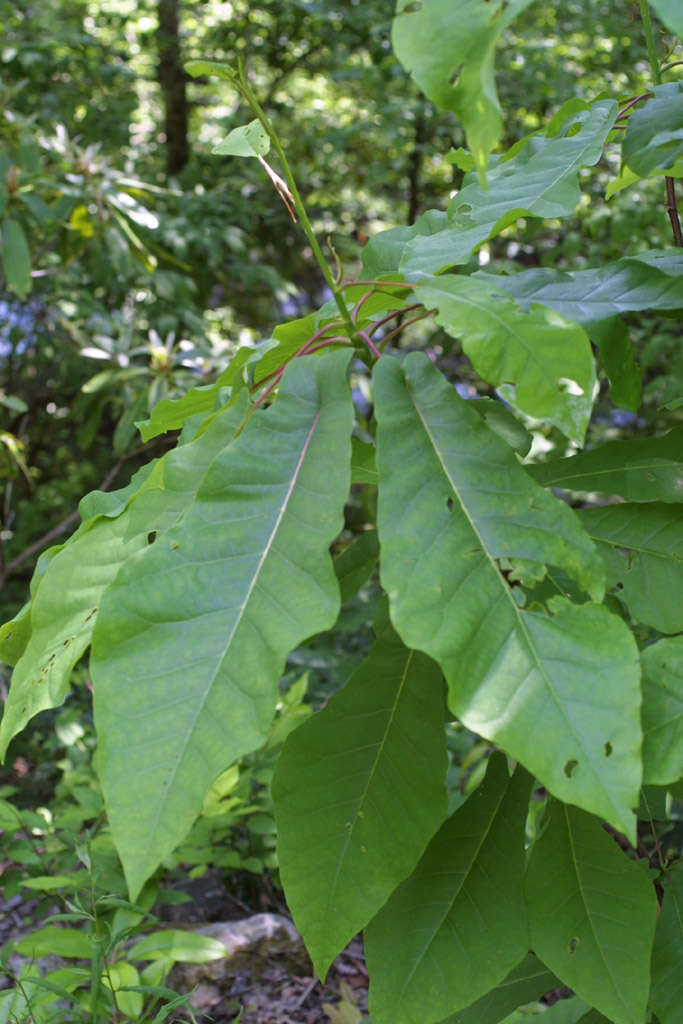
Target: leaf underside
192, 637
560, 692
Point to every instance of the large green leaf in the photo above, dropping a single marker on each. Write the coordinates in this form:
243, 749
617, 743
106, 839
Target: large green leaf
642, 547
524, 984
540, 362
359, 790
641, 470
66, 602
671, 13
193, 634
457, 925
448, 46
538, 178
559, 691
667, 955
663, 711
592, 914
654, 136
172, 413
650, 280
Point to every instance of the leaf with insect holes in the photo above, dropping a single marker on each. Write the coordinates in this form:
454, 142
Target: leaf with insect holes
192, 636
592, 914
540, 363
453, 501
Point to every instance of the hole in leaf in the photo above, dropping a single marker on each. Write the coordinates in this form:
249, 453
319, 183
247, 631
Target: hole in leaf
570, 768
456, 74
608, 749
449, 504
573, 944
151, 536
411, 8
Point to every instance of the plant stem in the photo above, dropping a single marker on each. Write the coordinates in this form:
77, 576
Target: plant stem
256, 107
671, 207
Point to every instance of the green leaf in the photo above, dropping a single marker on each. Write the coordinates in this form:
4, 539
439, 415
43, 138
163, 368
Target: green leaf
355, 564
16, 258
538, 178
197, 68
524, 984
457, 925
15, 635
178, 946
638, 470
359, 790
663, 711
666, 996
540, 362
172, 413
592, 914
451, 59
642, 547
649, 280
653, 139
111, 503
363, 467
50, 883
618, 361
206, 615
502, 422
65, 606
52, 940
670, 13
453, 499
248, 140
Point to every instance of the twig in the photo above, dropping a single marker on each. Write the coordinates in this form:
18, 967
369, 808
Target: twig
672, 210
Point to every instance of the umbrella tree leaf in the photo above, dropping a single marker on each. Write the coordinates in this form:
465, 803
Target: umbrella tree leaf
457, 926
663, 711
66, 604
669, 11
539, 178
359, 790
540, 362
451, 59
193, 634
592, 914
651, 280
524, 984
642, 547
654, 135
667, 979
650, 469
452, 500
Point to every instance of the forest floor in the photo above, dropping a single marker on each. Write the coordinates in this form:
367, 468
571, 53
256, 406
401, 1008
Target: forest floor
270, 979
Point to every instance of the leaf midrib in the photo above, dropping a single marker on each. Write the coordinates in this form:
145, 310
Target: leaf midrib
508, 593
584, 901
170, 780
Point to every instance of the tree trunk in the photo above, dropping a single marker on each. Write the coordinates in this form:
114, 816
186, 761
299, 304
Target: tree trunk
173, 87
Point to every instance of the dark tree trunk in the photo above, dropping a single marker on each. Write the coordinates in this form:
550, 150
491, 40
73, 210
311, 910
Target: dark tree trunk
173, 86
415, 165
